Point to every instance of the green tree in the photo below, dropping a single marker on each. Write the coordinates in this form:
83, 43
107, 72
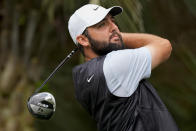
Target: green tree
34, 38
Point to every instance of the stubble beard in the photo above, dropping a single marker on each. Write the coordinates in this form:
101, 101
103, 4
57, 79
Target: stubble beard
103, 48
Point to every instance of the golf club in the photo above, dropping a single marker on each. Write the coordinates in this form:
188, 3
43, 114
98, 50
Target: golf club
42, 105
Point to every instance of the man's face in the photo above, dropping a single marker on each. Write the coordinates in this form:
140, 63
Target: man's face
105, 36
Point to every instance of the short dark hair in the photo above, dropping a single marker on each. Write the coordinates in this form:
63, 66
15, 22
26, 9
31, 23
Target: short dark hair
80, 47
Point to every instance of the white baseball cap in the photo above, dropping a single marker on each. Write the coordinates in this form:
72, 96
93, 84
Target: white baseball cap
87, 16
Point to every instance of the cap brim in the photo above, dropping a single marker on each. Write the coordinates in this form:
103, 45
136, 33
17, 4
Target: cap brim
115, 10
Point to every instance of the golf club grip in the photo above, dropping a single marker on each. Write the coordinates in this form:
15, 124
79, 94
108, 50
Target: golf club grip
61, 64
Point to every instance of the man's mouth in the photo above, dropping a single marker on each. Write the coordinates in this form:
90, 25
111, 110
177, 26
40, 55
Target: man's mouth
115, 37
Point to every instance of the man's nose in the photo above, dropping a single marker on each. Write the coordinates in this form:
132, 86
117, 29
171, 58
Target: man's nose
113, 26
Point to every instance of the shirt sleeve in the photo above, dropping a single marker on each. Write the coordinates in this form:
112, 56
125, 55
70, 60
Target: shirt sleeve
124, 69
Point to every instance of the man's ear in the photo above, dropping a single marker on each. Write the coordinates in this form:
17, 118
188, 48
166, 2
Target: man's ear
83, 40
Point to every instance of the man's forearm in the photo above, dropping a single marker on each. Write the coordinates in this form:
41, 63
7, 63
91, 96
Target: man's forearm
136, 40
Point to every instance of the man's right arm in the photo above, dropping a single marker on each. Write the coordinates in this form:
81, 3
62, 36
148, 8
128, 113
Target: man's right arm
159, 48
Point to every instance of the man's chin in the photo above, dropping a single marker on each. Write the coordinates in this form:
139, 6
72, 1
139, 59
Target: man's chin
118, 43
111, 47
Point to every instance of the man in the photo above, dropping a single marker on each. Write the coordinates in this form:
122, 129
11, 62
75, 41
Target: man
111, 85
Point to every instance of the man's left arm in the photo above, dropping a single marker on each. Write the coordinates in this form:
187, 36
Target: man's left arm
159, 48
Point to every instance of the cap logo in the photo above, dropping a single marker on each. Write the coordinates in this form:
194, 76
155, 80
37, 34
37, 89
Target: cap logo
96, 8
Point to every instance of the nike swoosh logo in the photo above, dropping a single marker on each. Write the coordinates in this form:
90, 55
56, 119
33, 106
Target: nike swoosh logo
96, 8
89, 79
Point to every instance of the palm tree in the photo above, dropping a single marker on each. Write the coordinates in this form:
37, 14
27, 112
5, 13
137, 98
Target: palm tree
33, 36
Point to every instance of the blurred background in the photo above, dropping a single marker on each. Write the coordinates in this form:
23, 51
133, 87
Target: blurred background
34, 39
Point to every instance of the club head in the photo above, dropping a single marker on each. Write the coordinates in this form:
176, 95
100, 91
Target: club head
42, 105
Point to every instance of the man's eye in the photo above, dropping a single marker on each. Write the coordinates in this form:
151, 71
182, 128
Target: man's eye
101, 25
113, 20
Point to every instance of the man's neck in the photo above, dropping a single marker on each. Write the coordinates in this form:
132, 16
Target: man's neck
87, 58
89, 54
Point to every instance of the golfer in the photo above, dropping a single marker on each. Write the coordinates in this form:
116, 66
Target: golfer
111, 85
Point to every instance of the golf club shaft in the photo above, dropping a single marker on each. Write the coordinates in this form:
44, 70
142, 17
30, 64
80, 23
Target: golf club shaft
50, 76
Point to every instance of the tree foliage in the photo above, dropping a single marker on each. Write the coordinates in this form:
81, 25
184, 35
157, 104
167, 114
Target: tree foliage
34, 38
